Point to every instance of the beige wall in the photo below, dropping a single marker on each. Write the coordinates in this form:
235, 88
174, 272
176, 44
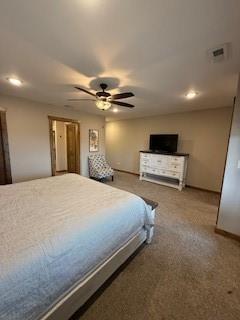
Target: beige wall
203, 134
28, 133
229, 212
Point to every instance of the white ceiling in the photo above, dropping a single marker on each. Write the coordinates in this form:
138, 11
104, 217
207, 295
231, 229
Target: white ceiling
155, 48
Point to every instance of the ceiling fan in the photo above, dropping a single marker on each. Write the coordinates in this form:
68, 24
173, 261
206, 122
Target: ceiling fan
104, 99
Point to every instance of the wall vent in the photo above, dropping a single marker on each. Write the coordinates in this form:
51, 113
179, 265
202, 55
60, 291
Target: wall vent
219, 53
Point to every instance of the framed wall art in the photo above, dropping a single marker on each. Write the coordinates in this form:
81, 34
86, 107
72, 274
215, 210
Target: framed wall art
93, 140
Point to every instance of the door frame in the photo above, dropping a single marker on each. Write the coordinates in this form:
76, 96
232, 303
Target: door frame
5, 146
53, 155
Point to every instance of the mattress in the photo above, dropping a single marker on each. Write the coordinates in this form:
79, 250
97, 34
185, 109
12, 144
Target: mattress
54, 232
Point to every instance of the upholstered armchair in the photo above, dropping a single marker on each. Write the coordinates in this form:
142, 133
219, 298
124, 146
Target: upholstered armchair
98, 167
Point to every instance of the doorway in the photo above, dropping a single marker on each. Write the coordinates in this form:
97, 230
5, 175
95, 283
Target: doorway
64, 145
5, 169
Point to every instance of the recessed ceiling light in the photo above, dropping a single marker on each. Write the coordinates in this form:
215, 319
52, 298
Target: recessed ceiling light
191, 94
15, 82
115, 110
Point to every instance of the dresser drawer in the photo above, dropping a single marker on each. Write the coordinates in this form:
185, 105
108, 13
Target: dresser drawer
145, 155
177, 167
144, 168
145, 162
152, 170
176, 160
147, 169
173, 174
168, 173
159, 161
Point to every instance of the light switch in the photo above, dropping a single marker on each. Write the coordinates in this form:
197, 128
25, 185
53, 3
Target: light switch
238, 164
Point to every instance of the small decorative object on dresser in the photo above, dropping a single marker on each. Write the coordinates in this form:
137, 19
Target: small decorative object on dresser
166, 169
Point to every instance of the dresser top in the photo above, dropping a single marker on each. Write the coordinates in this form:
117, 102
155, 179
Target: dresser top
176, 154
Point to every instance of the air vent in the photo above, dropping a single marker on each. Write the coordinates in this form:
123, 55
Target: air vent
219, 53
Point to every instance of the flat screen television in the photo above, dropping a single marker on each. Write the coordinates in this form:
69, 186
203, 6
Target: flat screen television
163, 143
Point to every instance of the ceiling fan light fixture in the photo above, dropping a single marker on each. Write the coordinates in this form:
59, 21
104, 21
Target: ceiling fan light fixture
15, 82
191, 94
103, 105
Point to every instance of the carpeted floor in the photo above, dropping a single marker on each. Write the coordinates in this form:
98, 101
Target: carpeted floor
188, 272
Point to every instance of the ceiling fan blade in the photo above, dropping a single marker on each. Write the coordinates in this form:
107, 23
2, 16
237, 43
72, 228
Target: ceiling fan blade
122, 104
81, 100
86, 91
122, 95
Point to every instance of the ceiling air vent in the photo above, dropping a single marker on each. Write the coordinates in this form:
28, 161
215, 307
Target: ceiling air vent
219, 53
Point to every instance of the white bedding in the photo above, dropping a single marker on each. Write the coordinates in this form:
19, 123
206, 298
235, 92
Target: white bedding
53, 233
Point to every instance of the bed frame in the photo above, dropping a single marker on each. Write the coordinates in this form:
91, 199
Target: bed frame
82, 291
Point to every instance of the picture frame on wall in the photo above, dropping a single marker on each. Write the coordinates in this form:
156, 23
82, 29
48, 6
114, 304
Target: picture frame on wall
93, 140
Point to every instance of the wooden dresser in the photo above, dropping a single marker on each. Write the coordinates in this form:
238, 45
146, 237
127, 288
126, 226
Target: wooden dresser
165, 169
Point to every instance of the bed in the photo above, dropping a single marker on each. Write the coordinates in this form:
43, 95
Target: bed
61, 238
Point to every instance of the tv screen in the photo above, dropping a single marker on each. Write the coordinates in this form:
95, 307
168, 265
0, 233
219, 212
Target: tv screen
163, 142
